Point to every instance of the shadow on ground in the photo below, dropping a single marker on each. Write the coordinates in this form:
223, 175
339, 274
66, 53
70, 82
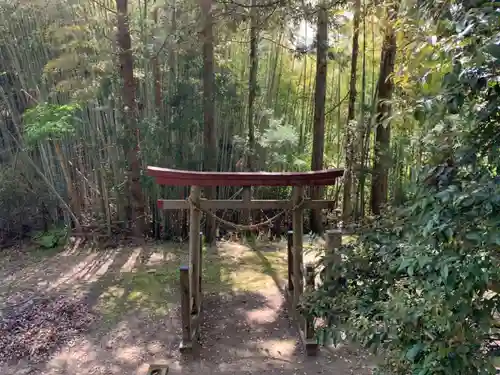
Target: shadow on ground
133, 294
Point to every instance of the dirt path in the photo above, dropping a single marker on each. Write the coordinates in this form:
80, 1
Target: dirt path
246, 329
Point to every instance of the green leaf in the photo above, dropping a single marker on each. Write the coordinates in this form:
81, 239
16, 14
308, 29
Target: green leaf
405, 263
497, 238
449, 233
410, 271
494, 50
474, 236
424, 260
47, 241
414, 351
445, 272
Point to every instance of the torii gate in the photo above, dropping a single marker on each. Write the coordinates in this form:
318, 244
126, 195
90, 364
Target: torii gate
190, 276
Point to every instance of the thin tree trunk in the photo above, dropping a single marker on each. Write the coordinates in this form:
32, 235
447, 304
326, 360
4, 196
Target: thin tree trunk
303, 112
209, 131
319, 111
381, 148
157, 215
252, 85
369, 123
361, 173
130, 112
339, 113
74, 203
157, 73
172, 64
349, 133
252, 94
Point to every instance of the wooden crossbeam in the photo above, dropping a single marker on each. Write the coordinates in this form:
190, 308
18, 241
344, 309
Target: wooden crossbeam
267, 204
175, 177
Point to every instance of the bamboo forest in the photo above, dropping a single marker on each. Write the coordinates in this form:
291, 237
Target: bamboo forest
250, 187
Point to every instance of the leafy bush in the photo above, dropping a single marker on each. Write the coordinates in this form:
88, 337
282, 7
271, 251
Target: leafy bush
50, 121
419, 285
422, 282
50, 238
22, 202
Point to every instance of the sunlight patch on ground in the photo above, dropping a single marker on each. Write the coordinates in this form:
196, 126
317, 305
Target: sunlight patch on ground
249, 280
109, 303
283, 348
261, 316
130, 354
84, 356
100, 269
158, 258
138, 307
78, 358
154, 347
245, 269
153, 293
245, 362
131, 261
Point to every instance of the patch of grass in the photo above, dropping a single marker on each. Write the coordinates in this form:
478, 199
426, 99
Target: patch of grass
152, 291
268, 263
246, 270
110, 304
155, 291
217, 274
349, 239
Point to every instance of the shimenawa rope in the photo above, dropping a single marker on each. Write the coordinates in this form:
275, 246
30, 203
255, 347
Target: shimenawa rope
240, 227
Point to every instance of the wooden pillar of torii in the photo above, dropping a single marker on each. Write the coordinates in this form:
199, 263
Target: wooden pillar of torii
190, 275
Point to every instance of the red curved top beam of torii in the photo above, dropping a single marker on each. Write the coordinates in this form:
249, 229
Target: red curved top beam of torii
175, 177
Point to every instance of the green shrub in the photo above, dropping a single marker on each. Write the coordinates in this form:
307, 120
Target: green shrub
418, 285
22, 203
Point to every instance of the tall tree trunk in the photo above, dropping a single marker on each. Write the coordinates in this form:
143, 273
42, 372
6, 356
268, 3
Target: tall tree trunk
252, 94
172, 61
361, 174
157, 216
130, 112
252, 85
381, 148
319, 111
209, 131
349, 140
157, 72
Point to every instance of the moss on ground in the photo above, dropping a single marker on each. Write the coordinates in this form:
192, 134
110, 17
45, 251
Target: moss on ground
153, 289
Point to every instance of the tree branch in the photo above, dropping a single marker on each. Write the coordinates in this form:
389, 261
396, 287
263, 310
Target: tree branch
266, 5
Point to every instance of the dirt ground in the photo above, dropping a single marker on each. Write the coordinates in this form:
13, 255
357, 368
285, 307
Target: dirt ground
135, 309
